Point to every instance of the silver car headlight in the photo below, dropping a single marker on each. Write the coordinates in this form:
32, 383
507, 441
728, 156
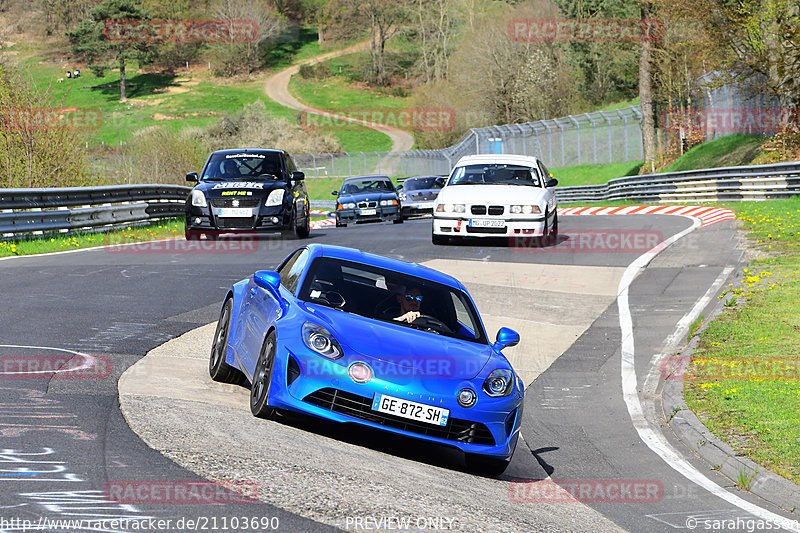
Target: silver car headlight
402, 196
274, 198
320, 341
199, 199
499, 383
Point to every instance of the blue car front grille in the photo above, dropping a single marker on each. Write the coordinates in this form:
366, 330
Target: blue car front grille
360, 407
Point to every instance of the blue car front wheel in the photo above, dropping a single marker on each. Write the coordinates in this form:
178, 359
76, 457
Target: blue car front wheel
259, 392
218, 369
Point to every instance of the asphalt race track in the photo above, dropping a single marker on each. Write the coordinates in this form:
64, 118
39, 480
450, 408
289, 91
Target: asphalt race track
64, 440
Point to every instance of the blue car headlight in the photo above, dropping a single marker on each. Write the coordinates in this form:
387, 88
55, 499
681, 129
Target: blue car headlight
319, 340
499, 383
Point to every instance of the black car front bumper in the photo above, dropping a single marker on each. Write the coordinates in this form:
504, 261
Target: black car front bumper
202, 220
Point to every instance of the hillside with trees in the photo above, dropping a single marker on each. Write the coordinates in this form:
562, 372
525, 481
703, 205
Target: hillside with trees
456, 54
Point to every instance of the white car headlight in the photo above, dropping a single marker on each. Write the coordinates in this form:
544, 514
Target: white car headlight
275, 198
499, 383
534, 209
443, 208
199, 199
320, 341
517, 209
459, 208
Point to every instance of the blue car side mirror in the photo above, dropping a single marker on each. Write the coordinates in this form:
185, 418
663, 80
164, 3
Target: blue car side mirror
506, 337
269, 280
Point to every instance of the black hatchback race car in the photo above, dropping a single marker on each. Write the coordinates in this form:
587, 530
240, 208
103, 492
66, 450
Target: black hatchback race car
247, 191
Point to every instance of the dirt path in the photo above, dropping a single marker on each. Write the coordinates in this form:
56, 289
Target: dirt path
277, 88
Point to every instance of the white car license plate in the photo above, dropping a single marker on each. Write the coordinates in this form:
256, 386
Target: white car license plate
369, 212
486, 223
412, 410
237, 212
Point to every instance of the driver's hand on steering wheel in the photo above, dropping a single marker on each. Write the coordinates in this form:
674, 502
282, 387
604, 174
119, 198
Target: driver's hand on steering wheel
409, 317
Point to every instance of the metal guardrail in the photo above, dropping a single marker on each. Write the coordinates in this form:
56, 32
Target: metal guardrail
757, 182
62, 210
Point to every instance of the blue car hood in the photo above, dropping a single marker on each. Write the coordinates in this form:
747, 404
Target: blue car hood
428, 353
371, 196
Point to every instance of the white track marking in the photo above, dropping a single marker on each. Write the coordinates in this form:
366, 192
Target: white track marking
651, 436
88, 360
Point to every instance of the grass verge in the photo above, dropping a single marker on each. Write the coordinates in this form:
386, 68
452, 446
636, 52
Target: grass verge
163, 229
594, 174
745, 373
727, 151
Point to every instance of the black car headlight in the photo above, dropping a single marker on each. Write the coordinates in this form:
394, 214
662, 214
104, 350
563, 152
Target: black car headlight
499, 383
319, 340
274, 198
199, 199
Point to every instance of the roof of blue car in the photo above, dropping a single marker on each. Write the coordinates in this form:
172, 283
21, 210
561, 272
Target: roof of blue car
403, 267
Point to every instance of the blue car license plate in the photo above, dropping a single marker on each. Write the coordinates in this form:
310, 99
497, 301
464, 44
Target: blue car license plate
411, 410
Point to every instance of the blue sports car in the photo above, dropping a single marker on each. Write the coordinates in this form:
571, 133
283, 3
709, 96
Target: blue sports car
360, 338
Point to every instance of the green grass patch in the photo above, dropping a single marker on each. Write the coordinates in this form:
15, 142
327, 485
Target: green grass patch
162, 229
746, 368
175, 102
619, 105
335, 93
727, 151
594, 174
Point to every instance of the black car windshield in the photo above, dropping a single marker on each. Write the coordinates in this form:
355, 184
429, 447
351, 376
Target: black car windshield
501, 174
245, 166
366, 185
417, 184
386, 295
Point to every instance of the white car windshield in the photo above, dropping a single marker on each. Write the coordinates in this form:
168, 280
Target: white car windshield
495, 174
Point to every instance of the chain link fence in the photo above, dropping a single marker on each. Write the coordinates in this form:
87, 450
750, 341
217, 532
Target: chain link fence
597, 138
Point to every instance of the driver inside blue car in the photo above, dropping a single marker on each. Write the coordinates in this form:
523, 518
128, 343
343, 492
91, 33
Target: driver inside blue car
410, 302
407, 306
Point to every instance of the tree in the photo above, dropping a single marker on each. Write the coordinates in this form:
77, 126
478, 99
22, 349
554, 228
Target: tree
37, 147
90, 40
384, 18
646, 97
437, 23
236, 57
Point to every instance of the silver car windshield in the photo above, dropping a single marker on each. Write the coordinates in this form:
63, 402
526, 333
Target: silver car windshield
501, 174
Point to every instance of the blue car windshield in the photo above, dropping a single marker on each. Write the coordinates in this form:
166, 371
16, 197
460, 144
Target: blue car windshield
246, 166
387, 295
366, 185
496, 174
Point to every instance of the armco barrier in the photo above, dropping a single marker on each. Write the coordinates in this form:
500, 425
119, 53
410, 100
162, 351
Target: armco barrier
59, 210
757, 182
26, 211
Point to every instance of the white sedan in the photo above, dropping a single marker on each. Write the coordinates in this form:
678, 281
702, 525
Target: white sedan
496, 195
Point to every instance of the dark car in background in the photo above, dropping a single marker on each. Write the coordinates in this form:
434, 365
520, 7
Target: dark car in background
367, 199
247, 191
418, 194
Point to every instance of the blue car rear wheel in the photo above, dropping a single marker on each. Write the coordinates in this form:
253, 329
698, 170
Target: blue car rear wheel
262, 377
